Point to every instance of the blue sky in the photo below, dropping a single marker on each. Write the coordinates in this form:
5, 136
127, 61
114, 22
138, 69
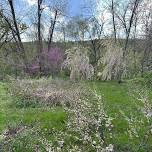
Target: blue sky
25, 10
75, 7
26, 7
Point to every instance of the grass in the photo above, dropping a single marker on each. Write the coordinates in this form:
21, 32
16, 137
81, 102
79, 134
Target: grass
116, 95
116, 101
9, 115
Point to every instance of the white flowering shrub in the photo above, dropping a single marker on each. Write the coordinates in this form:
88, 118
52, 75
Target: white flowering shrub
112, 63
88, 127
46, 92
77, 61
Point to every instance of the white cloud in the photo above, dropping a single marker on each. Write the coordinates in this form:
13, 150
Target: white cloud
30, 2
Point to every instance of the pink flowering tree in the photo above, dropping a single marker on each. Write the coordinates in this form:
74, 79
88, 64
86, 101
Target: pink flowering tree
52, 61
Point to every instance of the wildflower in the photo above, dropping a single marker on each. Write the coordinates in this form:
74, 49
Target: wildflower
110, 148
94, 143
61, 143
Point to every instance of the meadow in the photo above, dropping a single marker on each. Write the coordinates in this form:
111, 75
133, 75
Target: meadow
75, 76
27, 124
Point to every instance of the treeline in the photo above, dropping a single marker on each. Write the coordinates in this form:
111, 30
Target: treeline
112, 41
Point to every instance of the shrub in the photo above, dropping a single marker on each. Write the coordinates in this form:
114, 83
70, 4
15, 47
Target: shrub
54, 58
88, 127
77, 62
148, 79
112, 64
46, 92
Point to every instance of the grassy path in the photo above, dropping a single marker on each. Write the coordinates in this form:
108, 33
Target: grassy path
121, 105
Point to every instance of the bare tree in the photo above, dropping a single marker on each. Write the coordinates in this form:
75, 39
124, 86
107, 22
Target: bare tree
127, 19
13, 26
113, 20
5, 31
95, 31
51, 30
126, 16
40, 43
148, 44
58, 8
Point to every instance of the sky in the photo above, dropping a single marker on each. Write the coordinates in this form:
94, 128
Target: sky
24, 9
74, 6
27, 9
79, 7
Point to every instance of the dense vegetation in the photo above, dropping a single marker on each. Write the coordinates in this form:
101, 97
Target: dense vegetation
75, 83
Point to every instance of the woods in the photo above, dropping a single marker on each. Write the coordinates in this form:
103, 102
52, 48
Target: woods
127, 26
131, 31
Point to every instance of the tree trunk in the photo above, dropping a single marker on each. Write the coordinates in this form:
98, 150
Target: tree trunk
40, 45
113, 20
52, 30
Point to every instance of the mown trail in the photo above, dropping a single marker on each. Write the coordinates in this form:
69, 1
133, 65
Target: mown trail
121, 104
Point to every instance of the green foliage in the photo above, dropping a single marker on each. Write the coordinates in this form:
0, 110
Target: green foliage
137, 81
146, 80
18, 116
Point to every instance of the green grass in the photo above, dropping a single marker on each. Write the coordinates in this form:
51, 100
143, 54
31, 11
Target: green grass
116, 95
39, 119
116, 100
10, 115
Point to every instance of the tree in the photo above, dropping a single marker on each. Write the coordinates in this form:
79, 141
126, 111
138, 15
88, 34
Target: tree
146, 59
77, 28
112, 62
126, 14
13, 26
95, 32
126, 17
113, 19
58, 8
5, 31
40, 43
77, 62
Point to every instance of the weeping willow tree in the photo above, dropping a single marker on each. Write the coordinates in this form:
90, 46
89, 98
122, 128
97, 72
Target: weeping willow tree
112, 63
77, 62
